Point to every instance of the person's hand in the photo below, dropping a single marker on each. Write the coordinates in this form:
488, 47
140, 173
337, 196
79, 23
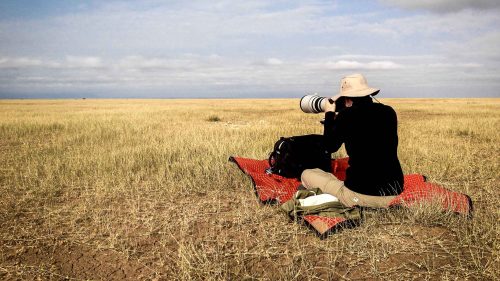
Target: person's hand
330, 105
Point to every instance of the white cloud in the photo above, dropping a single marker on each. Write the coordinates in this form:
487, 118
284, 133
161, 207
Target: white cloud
139, 62
83, 62
274, 61
19, 62
68, 62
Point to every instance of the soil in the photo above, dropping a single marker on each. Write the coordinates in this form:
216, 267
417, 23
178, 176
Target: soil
70, 261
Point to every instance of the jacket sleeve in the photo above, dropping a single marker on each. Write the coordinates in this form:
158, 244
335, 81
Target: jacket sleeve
333, 131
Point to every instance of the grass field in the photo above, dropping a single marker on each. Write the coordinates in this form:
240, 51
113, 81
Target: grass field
142, 189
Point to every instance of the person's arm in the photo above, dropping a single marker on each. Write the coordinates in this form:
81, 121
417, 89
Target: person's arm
333, 131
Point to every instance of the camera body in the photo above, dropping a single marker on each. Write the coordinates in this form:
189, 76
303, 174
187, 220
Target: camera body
316, 104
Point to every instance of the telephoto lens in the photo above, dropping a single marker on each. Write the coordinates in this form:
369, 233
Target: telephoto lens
313, 103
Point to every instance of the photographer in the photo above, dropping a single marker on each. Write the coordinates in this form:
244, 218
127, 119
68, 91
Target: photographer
369, 132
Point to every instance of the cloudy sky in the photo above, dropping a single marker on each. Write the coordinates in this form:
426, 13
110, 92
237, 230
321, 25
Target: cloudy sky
239, 48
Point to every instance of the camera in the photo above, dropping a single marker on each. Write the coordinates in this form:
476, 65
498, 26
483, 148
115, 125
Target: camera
316, 104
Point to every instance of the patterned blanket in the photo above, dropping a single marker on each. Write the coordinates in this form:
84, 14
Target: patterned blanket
275, 189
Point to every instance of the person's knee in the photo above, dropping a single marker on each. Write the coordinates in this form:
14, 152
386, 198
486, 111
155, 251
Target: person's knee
306, 177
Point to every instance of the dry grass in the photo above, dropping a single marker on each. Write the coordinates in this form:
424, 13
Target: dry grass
142, 189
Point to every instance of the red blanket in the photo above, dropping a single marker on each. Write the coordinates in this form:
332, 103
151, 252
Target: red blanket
275, 189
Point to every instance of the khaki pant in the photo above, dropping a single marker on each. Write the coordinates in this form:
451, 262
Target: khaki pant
328, 183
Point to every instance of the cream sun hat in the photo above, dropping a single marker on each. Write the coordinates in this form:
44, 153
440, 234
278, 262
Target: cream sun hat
355, 85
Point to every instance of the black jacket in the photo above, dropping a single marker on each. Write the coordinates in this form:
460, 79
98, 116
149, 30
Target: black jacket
370, 134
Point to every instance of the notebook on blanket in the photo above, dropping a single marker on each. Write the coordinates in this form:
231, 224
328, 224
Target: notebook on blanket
275, 189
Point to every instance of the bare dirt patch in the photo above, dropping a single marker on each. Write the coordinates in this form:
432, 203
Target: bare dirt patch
71, 262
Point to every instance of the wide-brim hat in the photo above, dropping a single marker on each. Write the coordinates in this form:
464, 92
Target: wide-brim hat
355, 85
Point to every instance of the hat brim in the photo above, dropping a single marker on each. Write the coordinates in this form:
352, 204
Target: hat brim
357, 93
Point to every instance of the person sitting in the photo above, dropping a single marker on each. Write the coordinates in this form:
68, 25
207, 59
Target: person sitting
369, 131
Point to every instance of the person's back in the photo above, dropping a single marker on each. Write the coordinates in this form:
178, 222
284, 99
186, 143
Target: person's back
371, 141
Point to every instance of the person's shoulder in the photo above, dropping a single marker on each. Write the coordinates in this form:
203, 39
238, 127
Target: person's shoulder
386, 110
385, 107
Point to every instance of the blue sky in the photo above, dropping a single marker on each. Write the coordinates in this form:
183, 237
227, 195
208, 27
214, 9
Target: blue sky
236, 48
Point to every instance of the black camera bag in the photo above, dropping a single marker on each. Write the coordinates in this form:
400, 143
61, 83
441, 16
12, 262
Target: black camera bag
291, 156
